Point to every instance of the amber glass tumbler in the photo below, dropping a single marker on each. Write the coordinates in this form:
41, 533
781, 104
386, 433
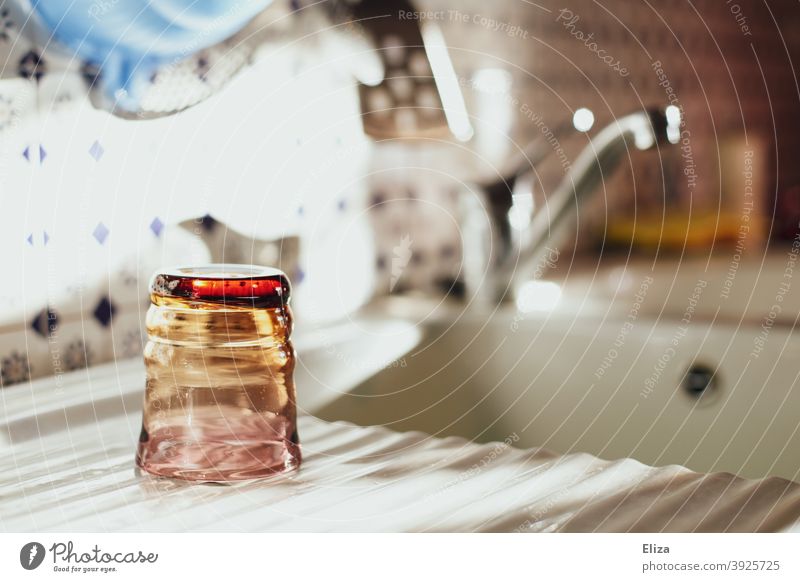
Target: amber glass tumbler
220, 399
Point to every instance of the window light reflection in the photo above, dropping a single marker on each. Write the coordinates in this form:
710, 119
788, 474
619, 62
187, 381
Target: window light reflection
538, 296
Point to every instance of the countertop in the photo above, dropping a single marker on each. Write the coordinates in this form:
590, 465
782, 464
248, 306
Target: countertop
69, 467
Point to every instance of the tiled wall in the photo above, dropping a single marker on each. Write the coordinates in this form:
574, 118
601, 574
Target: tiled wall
725, 64
89, 202
726, 80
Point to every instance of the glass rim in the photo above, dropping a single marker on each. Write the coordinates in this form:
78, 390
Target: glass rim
220, 271
227, 283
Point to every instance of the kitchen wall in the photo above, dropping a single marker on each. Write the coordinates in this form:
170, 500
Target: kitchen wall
727, 65
91, 203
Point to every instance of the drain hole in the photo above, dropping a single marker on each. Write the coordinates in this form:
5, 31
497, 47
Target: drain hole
699, 380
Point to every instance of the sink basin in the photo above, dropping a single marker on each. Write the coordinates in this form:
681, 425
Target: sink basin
682, 364
520, 376
664, 366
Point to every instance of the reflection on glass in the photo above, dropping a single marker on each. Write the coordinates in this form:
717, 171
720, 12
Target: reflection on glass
220, 397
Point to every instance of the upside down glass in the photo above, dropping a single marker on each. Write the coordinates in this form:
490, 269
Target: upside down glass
220, 398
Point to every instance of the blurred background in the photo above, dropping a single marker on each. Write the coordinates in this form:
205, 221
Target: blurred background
351, 151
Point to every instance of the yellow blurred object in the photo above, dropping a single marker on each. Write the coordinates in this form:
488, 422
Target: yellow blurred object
679, 231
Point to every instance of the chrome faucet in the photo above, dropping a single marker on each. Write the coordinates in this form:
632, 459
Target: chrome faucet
521, 248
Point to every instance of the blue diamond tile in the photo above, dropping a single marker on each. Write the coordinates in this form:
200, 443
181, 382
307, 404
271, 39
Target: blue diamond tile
30, 154
157, 226
45, 237
104, 311
30, 239
100, 233
96, 151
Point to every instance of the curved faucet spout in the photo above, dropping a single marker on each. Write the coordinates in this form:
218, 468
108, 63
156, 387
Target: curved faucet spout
527, 247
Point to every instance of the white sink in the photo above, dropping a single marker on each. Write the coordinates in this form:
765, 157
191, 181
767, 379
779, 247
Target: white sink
605, 372
523, 379
580, 375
